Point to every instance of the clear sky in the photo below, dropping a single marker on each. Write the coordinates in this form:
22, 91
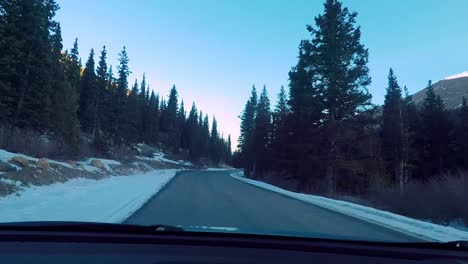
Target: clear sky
215, 50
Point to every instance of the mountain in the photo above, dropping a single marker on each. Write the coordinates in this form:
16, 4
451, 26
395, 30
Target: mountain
451, 90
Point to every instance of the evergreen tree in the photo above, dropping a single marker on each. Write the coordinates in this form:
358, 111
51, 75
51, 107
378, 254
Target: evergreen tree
131, 122
120, 105
64, 100
9, 51
301, 151
192, 134
73, 70
26, 72
153, 118
181, 117
143, 110
434, 133
109, 116
462, 137
169, 122
392, 130
228, 149
103, 106
247, 130
411, 125
340, 72
181, 114
215, 152
279, 133
205, 136
261, 133
88, 96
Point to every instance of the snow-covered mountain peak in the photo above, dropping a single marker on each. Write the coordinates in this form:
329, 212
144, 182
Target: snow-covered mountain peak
460, 75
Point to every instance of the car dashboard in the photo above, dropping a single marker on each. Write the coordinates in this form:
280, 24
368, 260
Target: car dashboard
189, 247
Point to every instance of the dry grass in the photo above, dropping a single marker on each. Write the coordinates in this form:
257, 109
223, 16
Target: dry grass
442, 200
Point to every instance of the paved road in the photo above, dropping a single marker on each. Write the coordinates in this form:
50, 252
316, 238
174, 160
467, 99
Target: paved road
213, 198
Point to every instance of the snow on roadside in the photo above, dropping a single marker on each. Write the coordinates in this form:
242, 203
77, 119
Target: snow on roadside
107, 164
393, 221
109, 200
6, 156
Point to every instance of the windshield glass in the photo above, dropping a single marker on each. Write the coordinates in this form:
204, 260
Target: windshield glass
336, 119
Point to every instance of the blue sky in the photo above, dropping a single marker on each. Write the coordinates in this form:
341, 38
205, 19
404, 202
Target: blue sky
215, 50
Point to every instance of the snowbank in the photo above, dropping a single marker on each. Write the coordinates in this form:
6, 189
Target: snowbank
107, 164
421, 229
109, 200
6, 156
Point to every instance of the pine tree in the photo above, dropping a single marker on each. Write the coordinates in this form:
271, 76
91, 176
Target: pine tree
181, 114
103, 106
215, 153
462, 136
153, 118
64, 100
392, 130
205, 136
192, 134
301, 152
88, 95
10, 51
143, 110
131, 122
411, 126
340, 71
279, 131
120, 106
73, 70
261, 134
434, 133
110, 104
183, 126
169, 123
26, 62
229, 150
247, 130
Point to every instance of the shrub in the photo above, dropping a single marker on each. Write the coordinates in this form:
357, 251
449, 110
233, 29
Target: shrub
442, 200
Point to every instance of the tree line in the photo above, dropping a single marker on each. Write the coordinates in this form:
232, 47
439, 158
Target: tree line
325, 134
47, 90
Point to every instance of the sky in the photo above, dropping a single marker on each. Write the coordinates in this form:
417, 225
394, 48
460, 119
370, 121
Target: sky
215, 50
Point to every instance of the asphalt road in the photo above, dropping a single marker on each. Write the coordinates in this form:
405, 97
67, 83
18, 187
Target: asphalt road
213, 198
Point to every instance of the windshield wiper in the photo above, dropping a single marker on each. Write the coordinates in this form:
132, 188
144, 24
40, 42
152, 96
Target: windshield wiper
88, 227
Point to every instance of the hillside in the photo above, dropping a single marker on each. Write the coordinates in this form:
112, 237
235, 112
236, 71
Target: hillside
18, 171
450, 90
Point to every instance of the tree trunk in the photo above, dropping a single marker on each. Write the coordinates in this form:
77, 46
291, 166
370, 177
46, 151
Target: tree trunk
330, 169
401, 176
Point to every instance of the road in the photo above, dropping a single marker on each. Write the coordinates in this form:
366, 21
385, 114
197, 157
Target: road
213, 198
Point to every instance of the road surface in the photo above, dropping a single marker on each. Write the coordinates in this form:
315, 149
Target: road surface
213, 198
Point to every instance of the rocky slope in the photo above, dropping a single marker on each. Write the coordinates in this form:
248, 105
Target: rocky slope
18, 170
451, 91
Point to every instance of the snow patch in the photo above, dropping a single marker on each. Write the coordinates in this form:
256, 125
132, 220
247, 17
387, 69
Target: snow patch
6, 156
110, 200
11, 182
393, 221
159, 156
460, 75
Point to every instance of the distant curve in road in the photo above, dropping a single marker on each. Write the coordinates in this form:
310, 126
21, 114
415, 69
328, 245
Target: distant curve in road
213, 198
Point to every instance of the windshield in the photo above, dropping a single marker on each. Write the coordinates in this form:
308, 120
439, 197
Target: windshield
335, 119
